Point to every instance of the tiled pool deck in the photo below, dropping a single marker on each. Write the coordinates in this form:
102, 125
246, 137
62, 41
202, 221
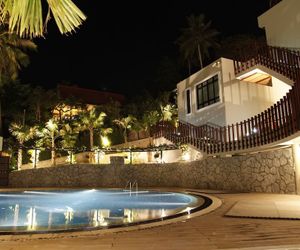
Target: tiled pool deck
210, 231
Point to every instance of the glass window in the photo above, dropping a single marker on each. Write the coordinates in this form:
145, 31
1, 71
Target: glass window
188, 101
208, 92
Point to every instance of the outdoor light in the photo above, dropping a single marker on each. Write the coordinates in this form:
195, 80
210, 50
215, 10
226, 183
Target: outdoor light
186, 156
105, 141
254, 130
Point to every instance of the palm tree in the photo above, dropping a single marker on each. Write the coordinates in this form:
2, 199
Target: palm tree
125, 124
168, 112
50, 134
25, 17
197, 38
69, 135
22, 133
91, 120
12, 58
149, 120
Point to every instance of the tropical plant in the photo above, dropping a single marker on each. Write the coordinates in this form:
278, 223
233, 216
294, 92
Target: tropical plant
91, 120
13, 56
50, 135
168, 112
197, 38
149, 120
69, 136
25, 17
41, 103
125, 124
22, 133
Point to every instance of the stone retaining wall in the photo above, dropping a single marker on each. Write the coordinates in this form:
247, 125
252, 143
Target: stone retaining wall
271, 171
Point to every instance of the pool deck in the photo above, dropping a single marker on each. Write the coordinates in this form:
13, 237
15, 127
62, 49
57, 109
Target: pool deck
209, 231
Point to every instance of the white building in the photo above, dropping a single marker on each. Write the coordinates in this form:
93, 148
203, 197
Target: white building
215, 95
282, 24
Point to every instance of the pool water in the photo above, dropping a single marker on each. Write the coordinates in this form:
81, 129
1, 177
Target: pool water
56, 210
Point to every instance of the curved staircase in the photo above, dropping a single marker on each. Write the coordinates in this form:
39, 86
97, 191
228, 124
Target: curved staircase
277, 123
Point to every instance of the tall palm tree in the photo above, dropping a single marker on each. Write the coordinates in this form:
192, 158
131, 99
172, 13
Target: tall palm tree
69, 136
149, 120
125, 124
22, 133
50, 135
13, 57
91, 120
197, 38
25, 17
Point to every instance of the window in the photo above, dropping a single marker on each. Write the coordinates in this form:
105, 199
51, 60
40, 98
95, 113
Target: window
188, 101
208, 92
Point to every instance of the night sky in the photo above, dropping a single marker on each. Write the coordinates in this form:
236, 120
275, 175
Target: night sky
121, 44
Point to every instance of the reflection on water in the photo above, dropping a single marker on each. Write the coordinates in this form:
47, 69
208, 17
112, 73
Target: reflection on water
31, 219
48, 211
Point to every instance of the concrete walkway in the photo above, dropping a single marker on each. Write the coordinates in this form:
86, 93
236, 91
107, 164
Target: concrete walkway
210, 231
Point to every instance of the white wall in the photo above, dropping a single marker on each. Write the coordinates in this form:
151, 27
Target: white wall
282, 24
244, 100
239, 100
214, 113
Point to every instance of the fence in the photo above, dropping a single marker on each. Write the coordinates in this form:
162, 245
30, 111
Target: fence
277, 122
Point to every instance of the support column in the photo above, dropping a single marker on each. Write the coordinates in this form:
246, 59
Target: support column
296, 156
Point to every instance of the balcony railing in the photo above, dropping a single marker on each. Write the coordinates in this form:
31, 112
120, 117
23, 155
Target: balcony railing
276, 123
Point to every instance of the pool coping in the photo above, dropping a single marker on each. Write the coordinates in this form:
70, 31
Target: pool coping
92, 231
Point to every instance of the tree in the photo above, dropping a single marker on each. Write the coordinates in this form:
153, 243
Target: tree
91, 120
69, 136
167, 74
125, 124
149, 120
50, 135
41, 103
25, 17
22, 133
13, 56
168, 112
237, 46
197, 39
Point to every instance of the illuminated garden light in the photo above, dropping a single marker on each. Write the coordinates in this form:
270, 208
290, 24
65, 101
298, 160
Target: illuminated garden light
105, 141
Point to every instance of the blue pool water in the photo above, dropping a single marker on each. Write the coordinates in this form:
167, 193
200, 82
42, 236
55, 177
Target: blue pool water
37, 211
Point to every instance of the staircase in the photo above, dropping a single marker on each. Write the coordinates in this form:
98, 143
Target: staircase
276, 123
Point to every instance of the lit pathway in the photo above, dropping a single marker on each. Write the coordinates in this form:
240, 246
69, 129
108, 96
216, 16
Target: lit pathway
211, 231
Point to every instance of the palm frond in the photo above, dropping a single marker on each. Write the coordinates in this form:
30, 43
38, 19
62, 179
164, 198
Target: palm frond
25, 17
66, 14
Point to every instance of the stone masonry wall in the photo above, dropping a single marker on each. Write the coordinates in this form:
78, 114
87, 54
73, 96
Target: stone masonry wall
271, 171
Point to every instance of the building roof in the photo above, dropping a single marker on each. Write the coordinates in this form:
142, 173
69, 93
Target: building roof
88, 96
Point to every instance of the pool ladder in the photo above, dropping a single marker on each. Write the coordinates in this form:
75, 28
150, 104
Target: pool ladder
131, 186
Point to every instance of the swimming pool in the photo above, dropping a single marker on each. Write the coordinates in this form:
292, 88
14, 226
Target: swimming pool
66, 210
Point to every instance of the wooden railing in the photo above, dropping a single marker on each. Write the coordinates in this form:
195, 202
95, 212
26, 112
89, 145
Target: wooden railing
276, 123
281, 60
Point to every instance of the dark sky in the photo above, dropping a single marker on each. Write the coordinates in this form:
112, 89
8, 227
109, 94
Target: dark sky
121, 43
